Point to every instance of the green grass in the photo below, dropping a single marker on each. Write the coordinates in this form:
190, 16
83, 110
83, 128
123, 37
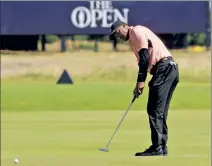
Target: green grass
45, 124
52, 138
35, 95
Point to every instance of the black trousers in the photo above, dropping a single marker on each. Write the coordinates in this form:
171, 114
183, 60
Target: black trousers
161, 87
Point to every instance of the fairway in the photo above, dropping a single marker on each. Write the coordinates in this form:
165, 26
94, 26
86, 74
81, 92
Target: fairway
39, 96
52, 138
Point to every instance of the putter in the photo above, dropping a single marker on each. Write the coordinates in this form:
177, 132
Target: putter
106, 148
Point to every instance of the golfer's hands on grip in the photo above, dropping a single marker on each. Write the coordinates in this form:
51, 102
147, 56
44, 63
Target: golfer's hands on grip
138, 89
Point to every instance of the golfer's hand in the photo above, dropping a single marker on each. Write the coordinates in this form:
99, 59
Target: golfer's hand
138, 89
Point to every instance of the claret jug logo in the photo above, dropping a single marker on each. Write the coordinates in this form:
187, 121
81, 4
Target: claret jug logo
101, 14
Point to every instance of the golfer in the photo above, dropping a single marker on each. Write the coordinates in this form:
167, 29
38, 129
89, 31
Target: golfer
154, 58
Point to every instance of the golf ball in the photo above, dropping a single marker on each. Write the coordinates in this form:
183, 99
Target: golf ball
16, 161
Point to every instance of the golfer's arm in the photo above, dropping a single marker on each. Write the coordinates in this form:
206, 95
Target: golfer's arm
143, 65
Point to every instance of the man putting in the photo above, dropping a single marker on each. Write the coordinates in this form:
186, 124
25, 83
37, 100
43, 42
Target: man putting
154, 58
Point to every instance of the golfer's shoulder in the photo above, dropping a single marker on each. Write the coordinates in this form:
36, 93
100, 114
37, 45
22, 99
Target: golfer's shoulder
138, 29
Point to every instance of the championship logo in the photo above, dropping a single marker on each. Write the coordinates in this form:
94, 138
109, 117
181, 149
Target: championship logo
101, 14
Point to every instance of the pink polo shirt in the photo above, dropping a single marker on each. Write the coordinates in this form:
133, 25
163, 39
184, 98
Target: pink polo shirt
138, 39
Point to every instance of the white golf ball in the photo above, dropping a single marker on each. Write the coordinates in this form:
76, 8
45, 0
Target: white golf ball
16, 161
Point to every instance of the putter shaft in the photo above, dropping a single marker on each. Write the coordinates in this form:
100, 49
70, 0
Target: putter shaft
120, 122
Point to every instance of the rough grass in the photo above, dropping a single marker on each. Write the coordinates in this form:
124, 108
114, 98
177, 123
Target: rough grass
104, 65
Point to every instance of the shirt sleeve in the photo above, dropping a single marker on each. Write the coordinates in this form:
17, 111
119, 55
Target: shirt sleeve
140, 40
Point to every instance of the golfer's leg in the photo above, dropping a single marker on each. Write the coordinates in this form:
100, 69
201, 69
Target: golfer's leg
155, 108
171, 91
165, 127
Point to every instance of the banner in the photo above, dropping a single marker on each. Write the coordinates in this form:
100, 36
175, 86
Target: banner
95, 17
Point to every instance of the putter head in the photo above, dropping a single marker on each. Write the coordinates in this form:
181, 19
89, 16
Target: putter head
103, 150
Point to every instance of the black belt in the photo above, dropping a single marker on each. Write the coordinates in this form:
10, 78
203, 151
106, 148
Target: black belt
165, 58
154, 68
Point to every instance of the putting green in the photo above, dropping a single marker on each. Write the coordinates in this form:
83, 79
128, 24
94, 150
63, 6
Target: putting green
52, 138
